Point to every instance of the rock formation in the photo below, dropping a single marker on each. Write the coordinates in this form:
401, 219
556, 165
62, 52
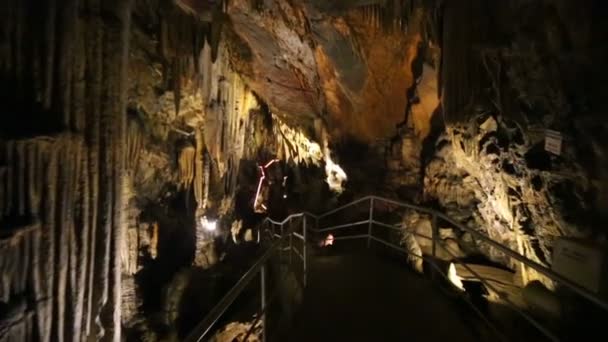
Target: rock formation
128, 122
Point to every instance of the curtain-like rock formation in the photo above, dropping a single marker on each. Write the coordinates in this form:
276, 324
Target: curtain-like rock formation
61, 218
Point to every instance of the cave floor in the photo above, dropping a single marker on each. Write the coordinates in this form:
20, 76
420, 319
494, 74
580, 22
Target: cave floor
361, 297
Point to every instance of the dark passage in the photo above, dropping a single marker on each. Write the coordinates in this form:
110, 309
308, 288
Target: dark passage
360, 297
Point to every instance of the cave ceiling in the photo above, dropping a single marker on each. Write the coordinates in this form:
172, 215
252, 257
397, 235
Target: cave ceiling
332, 61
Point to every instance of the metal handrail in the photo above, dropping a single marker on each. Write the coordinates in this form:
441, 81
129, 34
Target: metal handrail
205, 326
506, 250
530, 263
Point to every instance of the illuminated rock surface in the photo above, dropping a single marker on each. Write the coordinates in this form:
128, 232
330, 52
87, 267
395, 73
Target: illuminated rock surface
127, 122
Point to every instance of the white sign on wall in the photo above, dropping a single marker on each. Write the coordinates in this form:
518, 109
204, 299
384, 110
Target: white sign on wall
553, 142
580, 262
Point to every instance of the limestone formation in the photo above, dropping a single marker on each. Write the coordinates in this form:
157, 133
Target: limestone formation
127, 122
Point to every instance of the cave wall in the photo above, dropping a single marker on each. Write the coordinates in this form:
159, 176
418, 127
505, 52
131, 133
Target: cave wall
530, 71
62, 168
128, 121
453, 106
196, 135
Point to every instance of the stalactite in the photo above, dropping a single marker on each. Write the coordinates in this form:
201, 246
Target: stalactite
84, 246
93, 107
134, 145
48, 53
34, 186
62, 228
163, 38
118, 45
215, 36
391, 15
186, 167
9, 178
63, 92
294, 146
79, 79
206, 180
53, 181
154, 241
20, 149
176, 78
49, 240
207, 73
198, 170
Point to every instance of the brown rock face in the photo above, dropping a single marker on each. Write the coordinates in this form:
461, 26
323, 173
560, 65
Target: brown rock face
364, 77
282, 67
348, 69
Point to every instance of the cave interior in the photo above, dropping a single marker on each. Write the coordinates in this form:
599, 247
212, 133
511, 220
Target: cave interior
146, 143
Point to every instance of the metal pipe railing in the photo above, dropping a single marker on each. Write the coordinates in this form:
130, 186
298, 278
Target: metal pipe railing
512, 305
435, 215
344, 207
342, 226
484, 238
205, 326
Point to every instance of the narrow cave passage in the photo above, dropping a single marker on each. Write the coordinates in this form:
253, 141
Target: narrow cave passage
159, 156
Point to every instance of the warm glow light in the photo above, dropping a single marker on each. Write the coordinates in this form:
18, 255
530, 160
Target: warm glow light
257, 193
208, 225
335, 175
454, 278
329, 241
262, 177
270, 163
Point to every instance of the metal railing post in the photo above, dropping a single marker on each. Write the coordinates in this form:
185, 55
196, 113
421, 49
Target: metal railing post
281, 246
263, 301
290, 245
371, 218
205, 326
305, 249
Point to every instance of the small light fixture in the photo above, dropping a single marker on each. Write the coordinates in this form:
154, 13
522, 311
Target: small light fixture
454, 278
208, 225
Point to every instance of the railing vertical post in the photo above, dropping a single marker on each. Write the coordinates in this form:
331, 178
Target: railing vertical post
435, 234
281, 246
371, 218
305, 247
290, 245
263, 301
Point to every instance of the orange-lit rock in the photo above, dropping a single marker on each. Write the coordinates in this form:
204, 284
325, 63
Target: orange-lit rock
347, 70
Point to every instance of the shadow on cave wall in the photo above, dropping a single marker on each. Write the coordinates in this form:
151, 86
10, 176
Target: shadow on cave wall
176, 247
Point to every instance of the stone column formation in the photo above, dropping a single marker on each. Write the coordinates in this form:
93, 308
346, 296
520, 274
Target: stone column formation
61, 190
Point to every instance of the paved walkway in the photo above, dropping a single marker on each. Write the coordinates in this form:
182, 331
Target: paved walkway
365, 298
